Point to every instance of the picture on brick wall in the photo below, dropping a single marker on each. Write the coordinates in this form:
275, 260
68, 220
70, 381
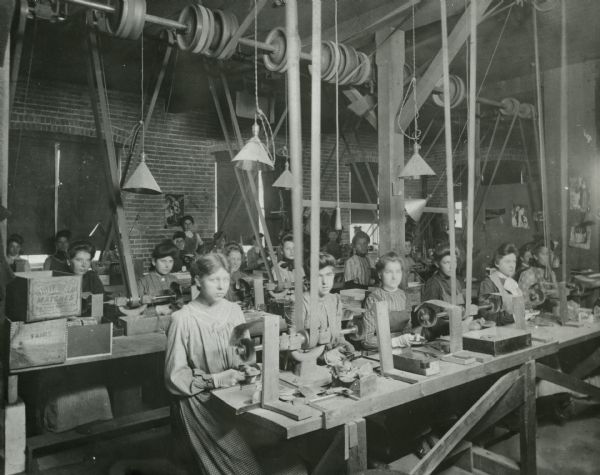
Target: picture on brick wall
519, 216
580, 235
579, 194
174, 209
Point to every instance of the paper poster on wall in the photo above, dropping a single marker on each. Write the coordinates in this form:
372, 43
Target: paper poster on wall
579, 194
519, 216
174, 209
580, 236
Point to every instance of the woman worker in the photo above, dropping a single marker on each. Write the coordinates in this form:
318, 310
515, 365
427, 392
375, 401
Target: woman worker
535, 280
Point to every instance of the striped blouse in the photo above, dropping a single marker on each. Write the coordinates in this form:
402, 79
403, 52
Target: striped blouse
358, 269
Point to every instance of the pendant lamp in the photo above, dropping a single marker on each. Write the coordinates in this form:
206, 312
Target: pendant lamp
414, 208
416, 166
254, 155
141, 180
286, 179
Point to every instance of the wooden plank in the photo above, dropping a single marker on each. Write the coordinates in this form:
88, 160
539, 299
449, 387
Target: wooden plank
390, 78
456, 335
270, 376
384, 337
333, 204
567, 381
510, 401
14, 438
519, 313
451, 438
356, 445
528, 421
490, 462
432, 75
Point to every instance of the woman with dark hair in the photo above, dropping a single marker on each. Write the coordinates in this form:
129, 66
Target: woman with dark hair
391, 269
525, 256
193, 241
59, 261
80, 255
14, 244
158, 281
239, 289
499, 286
200, 358
437, 287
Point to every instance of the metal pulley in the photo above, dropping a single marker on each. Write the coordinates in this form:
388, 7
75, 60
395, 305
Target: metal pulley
510, 106
426, 315
536, 295
276, 60
458, 92
526, 111
128, 19
352, 67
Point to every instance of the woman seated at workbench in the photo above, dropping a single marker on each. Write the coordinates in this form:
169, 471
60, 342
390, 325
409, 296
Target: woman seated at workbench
499, 287
437, 287
80, 255
14, 243
286, 270
357, 270
198, 359
535, 280
239, 289
331, 312
59, 261
391, 271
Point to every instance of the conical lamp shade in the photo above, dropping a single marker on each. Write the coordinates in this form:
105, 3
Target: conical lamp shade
253, 155
416, 166
286, 179
141, 181
415, 208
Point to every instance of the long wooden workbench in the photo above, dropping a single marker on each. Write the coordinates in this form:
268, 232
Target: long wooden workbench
341, 411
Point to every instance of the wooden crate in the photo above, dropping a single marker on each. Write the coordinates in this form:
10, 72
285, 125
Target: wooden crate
496, 340
37, 344
43, 295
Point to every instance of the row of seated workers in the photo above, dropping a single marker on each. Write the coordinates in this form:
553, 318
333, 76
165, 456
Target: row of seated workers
199, 358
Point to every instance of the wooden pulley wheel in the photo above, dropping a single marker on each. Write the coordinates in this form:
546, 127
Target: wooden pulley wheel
217, 32
526, 111
231, 25
138, 18
117, 22
206, 25
329, 73
510, 106
188, 38
364, 73
341, 69
277, 60
352, 65
458, 91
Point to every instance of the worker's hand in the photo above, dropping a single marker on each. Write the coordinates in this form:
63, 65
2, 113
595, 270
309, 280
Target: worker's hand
333, 357
401, 341
228, 378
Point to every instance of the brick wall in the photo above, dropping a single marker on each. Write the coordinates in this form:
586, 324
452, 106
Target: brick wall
177, 146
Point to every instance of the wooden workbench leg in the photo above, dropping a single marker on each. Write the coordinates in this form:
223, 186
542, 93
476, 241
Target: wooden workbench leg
355, 449
528, 421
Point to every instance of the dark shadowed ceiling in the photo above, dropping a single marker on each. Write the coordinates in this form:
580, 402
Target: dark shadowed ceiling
59, 49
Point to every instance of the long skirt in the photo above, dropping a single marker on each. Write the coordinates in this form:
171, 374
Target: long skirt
217, 445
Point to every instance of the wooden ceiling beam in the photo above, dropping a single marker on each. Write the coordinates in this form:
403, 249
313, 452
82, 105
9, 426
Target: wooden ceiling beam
368, 23
426, 84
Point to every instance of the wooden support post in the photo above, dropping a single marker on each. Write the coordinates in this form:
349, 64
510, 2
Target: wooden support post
259, 294
295, 141
456, 341
390, 74
528, 421
564, 142
384, 339
563, 308
99, 102
14, 438
270, 359
355, 449
519, 313
315, 170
